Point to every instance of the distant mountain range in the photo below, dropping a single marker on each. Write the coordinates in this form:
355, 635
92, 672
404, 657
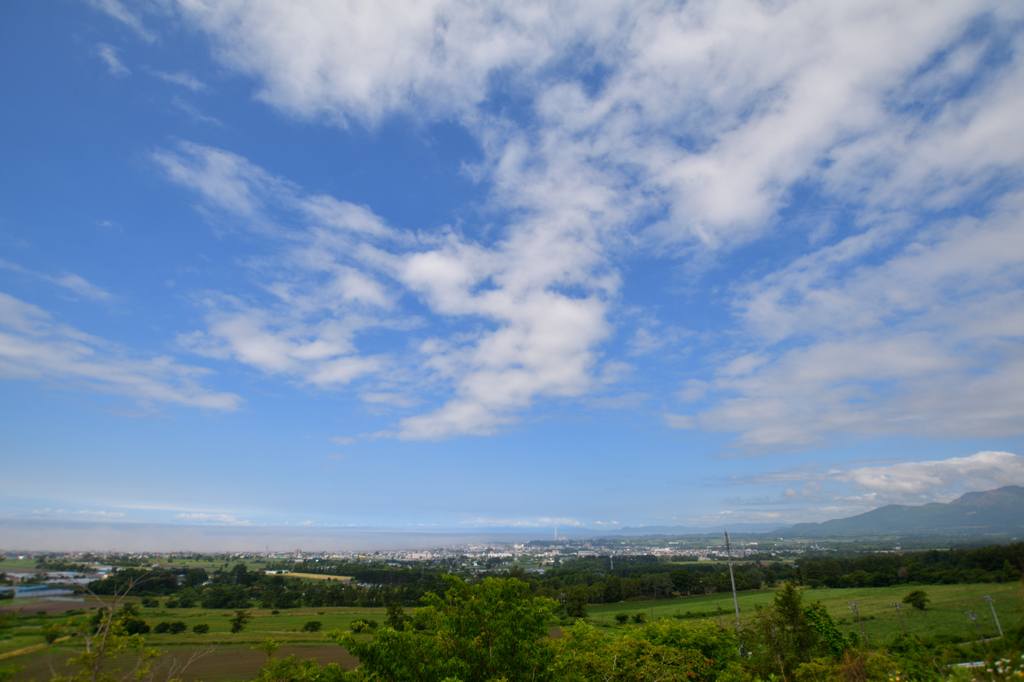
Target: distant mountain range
999, 511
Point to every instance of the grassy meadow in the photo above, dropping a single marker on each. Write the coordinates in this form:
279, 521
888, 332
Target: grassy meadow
945, 613
233, 658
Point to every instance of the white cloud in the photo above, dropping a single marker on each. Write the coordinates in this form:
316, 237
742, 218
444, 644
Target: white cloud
708, 119
342, 270
202, 517
854, 489
192, 111
72, 282
926, 340
108, 53
99, 514
182, 78
117, 10
81, 287
34, 347
930, 479
536, 522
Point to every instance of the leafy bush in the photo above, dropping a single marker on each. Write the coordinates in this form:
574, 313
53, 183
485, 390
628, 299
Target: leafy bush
201, 629
177, 627
622, 618
918, 599
52, 632
312, 626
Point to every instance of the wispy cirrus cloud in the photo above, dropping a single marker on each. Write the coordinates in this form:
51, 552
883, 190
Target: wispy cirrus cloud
182, 78
117, 10
926, 340
108, 53
35, 347
70, 282
536, 522
206, 518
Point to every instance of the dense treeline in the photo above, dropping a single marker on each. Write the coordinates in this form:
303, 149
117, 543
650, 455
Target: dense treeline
573, 584
995, 563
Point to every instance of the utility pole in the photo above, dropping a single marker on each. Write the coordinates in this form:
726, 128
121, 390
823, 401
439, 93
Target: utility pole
735, 600
853, 607
992, 605
899, 615
974, 619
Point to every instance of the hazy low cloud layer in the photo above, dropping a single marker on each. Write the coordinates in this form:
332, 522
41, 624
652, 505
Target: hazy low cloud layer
84, 536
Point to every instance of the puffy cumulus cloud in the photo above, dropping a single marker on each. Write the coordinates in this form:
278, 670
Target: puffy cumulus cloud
854, 489
705, 113
35, 347
930, 479
686, 129
342, 271
363, 60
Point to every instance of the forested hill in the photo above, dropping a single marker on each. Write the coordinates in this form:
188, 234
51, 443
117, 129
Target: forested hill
993, 511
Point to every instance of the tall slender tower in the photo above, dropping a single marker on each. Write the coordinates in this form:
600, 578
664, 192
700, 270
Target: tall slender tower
556, 531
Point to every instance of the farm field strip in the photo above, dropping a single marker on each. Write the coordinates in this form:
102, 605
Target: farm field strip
945, 613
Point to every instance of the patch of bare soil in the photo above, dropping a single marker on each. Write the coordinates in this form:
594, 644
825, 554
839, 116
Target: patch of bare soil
224, 664
51, 607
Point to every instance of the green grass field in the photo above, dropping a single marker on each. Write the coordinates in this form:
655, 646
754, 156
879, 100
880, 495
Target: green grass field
234, 659
945, 614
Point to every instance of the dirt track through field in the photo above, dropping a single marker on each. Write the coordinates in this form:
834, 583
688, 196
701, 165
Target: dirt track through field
222, 665
51, 608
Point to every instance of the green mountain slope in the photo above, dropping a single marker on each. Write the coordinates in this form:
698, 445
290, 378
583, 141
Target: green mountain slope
993, 511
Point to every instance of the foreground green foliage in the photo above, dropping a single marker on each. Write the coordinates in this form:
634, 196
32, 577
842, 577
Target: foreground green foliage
496, 629
475, 633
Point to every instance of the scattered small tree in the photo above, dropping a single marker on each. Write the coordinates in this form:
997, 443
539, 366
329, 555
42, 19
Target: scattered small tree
268, 646
396, 616
918, 599
622, 618
52, 632
640, 617
201, 629
312, 626
576, 607
241, 619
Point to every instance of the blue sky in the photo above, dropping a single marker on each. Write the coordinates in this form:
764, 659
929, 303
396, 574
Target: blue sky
468, 266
